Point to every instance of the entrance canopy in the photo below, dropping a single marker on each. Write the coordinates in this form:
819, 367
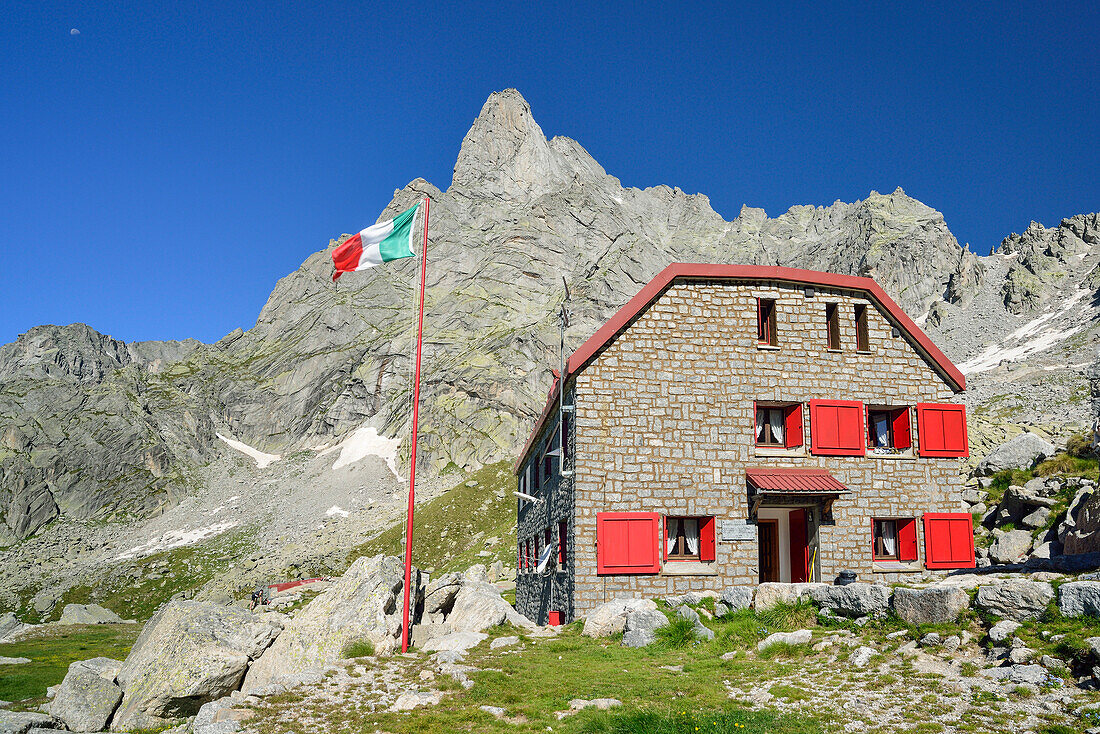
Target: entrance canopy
790, 485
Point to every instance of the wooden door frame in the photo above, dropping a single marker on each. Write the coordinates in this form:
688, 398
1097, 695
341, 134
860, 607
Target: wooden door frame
774, 523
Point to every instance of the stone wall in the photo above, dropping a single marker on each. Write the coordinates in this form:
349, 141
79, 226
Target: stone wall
665, 423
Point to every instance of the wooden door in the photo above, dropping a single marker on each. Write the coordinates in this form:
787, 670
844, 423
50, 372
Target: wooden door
769, 549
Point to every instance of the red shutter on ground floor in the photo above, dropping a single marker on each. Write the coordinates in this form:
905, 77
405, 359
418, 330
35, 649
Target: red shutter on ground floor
706, 539
907, 540
800, 551
563, 528
626, 542
942, 429
793, 428
902, 435
948, 540
836, 428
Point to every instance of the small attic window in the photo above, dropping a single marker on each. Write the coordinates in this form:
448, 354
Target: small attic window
765, 322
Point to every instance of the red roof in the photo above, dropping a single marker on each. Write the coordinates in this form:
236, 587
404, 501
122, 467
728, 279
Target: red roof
789, 479
701, 271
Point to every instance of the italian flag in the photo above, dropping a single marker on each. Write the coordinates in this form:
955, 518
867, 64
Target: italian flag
375, 245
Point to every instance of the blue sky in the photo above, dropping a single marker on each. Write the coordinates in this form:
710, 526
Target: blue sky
162, 169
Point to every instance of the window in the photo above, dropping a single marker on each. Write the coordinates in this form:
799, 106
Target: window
535, 473
836, 428
689, 538
564, 440
548, 535
765, 322
888, 430
627, 543
563, 528
863, 344
779, 426
948, 540
942, 430
894, 539
547, 462
832, 326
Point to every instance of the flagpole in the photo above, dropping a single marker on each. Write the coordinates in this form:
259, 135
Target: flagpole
416, 414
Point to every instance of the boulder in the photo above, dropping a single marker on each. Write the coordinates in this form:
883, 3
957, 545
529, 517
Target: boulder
88, 695
799, 637
701, 630
440, 595
771, 593
455, 641
1016, 600
21, 722
1010, 547
736, 597
862, 656
479, 606
1003, 630
853, 600
88, 614
1079, 599
609, 618
932, 605
1019, 674
1036, 519
641, 627
365, 604
220, 717
1021, 452
10, 626
189, 653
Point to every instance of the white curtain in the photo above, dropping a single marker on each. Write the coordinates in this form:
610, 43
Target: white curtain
691, 534
760, 425
889, 541
882, 431
671, 527
775, 418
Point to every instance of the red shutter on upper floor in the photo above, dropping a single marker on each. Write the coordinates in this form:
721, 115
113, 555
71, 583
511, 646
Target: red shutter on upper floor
948, 540
706, 539
907, 540
942, 430
627, 542
793, 427
836, 428
563, 529
902, 438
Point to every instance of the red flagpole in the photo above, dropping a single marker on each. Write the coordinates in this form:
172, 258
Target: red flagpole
416, 415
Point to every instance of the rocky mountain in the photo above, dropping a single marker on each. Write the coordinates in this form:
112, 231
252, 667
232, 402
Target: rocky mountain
94, 428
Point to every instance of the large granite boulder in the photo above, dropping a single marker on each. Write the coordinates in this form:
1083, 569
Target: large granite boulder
1020, 452
641, 627
365, 604
22, 722
439, 597
1079, 599
1011, 547
10, 626
88, 696
736, 598
88, 614
479, 606
853, 600
931, 605
1016, 600
771, 593
609, 618
189, 653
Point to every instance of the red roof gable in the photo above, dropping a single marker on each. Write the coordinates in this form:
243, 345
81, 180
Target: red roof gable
789, 479
701, 271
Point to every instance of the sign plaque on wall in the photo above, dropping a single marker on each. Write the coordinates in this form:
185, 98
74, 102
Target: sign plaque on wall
733, 530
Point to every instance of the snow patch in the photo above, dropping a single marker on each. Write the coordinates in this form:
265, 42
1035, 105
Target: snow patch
366, 442
336, 510
261, 459
175, 539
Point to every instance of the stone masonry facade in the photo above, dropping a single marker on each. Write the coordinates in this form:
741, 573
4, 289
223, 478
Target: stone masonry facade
665, 423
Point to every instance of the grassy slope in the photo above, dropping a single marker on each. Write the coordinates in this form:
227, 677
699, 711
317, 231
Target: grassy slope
450, 530
52, 649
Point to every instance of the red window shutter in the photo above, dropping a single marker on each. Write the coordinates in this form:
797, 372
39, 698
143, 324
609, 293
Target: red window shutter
706, 539
800, 556
902, 438
662, 540
948, 540
836, 428
907, 540
942, 429
563, 528
793, 428
626, 542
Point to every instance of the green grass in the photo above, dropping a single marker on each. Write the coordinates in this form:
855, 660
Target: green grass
359, 648
728, 721
680, 632
468, 515
51, 650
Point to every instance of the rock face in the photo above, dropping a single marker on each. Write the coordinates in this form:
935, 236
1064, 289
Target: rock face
1016, 600
188, 653
88, 695
365, 604
88, 614
932, 605
1018, 453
